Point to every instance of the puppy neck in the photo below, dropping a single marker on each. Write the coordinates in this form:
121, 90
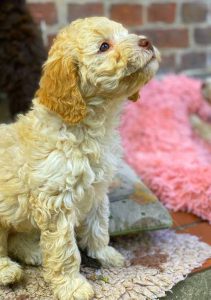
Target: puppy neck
100, 112
103, 109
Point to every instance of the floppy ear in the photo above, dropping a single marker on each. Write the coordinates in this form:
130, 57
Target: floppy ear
134, 97
59, 89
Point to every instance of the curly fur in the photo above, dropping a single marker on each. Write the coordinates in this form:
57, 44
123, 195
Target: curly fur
22, 54
57, 161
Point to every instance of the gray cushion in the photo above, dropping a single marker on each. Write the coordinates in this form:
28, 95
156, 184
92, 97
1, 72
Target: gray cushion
133, 207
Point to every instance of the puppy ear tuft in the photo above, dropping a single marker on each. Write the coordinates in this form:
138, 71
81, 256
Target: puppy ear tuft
59, 89
134, 97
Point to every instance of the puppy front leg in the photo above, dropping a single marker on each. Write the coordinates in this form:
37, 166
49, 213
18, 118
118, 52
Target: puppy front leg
94, 236
10, 271
61, 258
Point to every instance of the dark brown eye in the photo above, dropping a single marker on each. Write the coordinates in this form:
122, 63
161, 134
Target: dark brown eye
104, 47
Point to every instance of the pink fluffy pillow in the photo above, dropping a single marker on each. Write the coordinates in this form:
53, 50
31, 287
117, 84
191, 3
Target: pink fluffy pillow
162, 147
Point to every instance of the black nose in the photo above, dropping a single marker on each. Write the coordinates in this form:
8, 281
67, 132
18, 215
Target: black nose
145, 43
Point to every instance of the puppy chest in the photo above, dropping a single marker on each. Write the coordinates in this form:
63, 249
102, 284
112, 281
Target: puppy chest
71, 173
87, 170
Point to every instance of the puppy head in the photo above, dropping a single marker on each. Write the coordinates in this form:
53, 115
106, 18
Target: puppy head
95, 57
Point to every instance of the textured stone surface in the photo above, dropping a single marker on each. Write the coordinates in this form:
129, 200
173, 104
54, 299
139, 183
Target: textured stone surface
168, 63
76, 11
44, 12
194, 12
128, 14
193, 59
133, 206
203, 35
128, 216
161, 12
193, 288
168, 38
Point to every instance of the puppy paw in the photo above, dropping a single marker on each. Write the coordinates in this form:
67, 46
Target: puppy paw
109, 257
76, 288
83, 290
10, 271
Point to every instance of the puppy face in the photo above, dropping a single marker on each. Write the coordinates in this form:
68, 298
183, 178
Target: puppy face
95, 57
111, 61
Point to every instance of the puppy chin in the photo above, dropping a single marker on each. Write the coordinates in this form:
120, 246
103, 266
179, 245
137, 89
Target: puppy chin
151, 68
153, 65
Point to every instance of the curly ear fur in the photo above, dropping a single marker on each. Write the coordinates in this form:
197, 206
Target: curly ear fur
59, 90
134, 97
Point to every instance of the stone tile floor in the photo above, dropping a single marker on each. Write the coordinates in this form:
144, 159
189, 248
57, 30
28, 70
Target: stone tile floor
198, 285
189, 223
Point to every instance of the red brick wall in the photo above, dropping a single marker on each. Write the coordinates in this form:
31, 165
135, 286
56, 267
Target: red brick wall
180, 28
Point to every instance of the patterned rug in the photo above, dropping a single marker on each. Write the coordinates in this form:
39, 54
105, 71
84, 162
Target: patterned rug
156, 261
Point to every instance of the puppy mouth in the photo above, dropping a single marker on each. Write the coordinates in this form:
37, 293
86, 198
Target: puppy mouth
153, 58
137, 66
142, 68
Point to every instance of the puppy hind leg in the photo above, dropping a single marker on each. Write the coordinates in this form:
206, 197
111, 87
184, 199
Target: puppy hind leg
10, 271
25, 248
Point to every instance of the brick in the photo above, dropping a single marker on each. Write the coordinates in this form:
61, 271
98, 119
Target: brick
209, 59
194, 12
161, 12
168, 38
193, 60
128, 14
203, 35
44, 11
76, 11
168, 63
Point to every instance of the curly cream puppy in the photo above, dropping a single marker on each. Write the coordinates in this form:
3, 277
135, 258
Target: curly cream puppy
57, 161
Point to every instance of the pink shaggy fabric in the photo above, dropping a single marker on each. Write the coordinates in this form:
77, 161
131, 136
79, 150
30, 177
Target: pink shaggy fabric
162, 147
